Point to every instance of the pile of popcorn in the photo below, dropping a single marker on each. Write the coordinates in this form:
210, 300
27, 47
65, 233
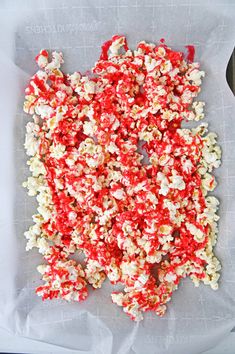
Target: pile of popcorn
118, 179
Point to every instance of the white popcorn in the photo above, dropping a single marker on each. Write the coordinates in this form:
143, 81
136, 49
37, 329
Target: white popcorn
169, 115
33, 184
45, 211
32, 240
43, 268
172, 209
72, 215
198, 108
36, 167
112, 147
170, 277
187, 96
106, 216
116, 124
161, 52
117, 298
146, 136
133, 310
71, 159
151, 63
129, 268
89, 87
166, 67
152, 197
31, 138
177, 182
212, 202
92, 162
164, 183
200, 129
43, 245
165, 229
58, 183
89, 128
44, 110
57, 151
195, 76
74, 79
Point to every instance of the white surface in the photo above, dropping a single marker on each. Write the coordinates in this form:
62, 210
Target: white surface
197, 318
12, 344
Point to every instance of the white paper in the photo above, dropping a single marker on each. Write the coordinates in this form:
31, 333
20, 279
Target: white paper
197, 318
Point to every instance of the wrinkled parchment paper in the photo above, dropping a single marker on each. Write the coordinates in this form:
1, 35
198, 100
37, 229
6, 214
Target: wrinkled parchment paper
197, 318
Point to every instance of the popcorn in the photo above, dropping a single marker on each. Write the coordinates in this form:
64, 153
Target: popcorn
119, 194
44, 111
57, 60
89, 128
118, 180
42, 59
31, 138
198, 107
177, 182
74, 79
43, 245
196, 232
57, 151
36, 167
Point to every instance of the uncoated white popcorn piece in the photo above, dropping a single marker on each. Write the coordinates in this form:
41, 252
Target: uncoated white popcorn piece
112, 147
94, 274
31, 239
43, 245
198, 108
43, 268
89, 128
33, 184
36, 166
194, 74
74, 79
44, 110
89, 87
57, 151
164, 183
177, 182
113, 273
170, 277
31, 138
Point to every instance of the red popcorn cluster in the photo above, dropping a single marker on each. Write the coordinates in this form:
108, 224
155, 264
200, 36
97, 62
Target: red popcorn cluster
118, 178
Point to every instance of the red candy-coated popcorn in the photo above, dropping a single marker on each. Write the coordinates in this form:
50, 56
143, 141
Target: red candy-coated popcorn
118, 178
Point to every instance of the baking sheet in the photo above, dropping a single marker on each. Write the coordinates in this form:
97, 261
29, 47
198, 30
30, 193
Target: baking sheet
197, 318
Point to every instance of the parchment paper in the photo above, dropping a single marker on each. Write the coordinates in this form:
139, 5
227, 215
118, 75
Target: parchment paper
197, 318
